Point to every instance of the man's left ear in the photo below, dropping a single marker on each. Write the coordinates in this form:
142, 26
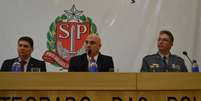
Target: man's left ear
172, 43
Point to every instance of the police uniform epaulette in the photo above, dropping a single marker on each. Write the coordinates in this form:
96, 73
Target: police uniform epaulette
178, 57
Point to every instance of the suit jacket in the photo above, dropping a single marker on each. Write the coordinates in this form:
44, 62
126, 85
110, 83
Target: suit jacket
80, 63
33, 63
155, 63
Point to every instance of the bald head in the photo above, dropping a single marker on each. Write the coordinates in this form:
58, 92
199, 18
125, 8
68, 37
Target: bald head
95, 38
93, 43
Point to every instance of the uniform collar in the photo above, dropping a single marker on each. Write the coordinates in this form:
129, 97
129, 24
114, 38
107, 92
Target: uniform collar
162, 55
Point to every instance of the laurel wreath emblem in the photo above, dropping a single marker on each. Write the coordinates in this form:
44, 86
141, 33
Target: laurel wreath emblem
51, 34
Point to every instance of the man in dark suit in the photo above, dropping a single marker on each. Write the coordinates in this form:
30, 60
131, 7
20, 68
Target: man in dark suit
24, 59
163, 61
84, 62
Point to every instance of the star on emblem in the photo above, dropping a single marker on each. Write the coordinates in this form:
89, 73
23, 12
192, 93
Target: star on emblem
73, 13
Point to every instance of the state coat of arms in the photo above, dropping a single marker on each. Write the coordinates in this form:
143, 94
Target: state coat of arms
66, 37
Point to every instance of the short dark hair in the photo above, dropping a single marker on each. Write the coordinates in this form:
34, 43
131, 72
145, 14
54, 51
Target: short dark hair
27, 39
169, 34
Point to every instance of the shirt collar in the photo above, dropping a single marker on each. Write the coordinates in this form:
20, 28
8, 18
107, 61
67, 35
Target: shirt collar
162, 55
95, 57
27, 60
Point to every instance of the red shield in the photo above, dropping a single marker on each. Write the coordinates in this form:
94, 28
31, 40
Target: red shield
70, 37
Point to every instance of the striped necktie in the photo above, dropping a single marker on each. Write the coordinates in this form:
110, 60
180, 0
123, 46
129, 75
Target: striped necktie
22, 63
93, 66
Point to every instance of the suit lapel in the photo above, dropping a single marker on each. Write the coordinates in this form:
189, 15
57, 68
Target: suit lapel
11, 63
30, 64
99, 62
85, 62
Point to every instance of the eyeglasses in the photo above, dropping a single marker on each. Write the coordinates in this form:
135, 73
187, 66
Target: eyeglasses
90, 42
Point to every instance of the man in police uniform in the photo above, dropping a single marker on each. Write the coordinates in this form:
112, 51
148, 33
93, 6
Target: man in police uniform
163, 61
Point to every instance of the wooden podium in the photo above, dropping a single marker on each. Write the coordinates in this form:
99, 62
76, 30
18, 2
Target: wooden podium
52, 86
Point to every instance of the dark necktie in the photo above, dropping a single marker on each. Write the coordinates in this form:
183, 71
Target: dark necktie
22, 63
165, 63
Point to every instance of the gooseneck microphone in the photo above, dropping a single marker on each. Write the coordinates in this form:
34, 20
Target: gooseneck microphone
186, 54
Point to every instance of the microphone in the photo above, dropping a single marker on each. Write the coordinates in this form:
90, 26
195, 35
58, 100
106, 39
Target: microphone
132, 1
186, 54
89, 51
